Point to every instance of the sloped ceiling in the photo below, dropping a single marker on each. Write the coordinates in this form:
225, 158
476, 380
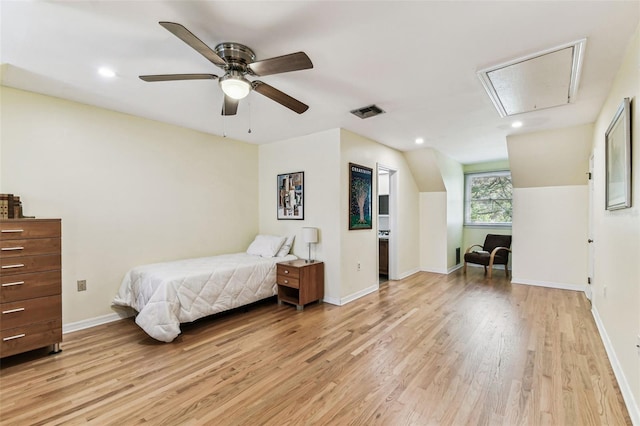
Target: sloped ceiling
551, 158
416, 60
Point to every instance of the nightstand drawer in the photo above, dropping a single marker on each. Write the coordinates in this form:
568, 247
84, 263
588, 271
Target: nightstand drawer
24, 312
288, 281
29, 247
26, 264
288, 271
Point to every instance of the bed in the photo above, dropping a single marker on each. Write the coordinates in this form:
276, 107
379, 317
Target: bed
170, 293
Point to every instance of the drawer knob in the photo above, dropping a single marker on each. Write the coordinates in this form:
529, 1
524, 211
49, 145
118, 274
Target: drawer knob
12, 284
286, 271
12, 248
8, 231
17, 336
286, 281
13, 311
17, 265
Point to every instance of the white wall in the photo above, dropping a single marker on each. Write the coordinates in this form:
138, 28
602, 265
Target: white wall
129, 190
550, 206
433, 232
318, 156
550, 234
617, 242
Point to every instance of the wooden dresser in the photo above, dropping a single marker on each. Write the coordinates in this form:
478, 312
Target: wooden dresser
31, 285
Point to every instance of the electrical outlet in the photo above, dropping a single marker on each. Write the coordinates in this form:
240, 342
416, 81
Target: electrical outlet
82, 285
358, 266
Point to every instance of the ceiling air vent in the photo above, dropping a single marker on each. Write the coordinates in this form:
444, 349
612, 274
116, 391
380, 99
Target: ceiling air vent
368, 111
542, 80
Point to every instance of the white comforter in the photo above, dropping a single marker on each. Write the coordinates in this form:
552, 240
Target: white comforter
170, 293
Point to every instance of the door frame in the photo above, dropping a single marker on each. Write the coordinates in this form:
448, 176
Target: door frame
393, 219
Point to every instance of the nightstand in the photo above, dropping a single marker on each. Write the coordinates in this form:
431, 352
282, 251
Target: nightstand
300, 283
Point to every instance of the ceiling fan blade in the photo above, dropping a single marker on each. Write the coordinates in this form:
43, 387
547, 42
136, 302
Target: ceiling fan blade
280, 97
230, 106
292, 62
187, 36
172, 77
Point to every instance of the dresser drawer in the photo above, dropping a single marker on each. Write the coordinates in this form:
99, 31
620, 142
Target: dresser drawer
29, 247
15, 229
286, 270
29, 337
24, 312
27, 264
288, 281
29, 286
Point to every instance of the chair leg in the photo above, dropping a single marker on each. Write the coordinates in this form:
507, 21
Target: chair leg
506, 270
485, 269
464, 268
490, 270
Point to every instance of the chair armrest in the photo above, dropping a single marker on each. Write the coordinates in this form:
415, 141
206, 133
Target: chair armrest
469, 249
495, 250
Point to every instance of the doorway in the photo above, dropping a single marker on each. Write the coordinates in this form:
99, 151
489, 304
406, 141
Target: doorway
387, 223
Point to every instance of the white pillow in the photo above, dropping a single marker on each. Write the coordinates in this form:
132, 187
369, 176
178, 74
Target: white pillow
266, 245
286, 247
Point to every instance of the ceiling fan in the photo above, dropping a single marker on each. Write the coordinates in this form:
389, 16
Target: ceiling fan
238, 61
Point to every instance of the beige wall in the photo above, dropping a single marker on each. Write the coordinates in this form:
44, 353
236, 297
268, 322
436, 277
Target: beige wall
453, 178
617, 241
362, 245
324, 158
318, 156
551, 158
549, 174
129, 190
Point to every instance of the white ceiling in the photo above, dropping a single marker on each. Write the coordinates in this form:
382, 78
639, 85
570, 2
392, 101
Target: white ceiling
415, 60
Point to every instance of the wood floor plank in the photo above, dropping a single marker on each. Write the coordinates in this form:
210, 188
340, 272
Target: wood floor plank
429, 349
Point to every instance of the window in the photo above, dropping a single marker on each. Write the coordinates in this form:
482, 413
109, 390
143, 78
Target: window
488, 199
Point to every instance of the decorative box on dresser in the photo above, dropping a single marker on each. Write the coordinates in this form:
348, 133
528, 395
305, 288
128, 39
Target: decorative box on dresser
31, 285
300, 282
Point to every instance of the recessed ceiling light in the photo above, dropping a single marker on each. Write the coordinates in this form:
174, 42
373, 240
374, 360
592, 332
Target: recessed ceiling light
419, 141
516, 124
106, 72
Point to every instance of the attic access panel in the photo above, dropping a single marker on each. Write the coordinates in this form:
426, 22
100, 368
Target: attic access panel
541, 80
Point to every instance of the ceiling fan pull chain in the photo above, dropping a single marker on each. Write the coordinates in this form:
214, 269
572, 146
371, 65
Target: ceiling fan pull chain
249, 102
224, 129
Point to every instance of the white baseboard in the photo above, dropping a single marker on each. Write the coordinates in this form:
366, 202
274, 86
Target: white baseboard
351, 297
434, 270
455, 268
406, 274
625, 389
92, 322
561, 286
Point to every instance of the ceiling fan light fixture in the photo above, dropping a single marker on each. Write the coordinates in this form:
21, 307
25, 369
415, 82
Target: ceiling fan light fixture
235, 86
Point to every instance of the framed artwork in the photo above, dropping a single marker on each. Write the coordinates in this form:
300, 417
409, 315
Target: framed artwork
291, 196
618, 159
360, 189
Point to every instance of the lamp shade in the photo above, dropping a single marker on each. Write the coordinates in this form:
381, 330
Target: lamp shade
310, 235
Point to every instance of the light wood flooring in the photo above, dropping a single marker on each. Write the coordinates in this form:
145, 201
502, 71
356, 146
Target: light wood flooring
427, 350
